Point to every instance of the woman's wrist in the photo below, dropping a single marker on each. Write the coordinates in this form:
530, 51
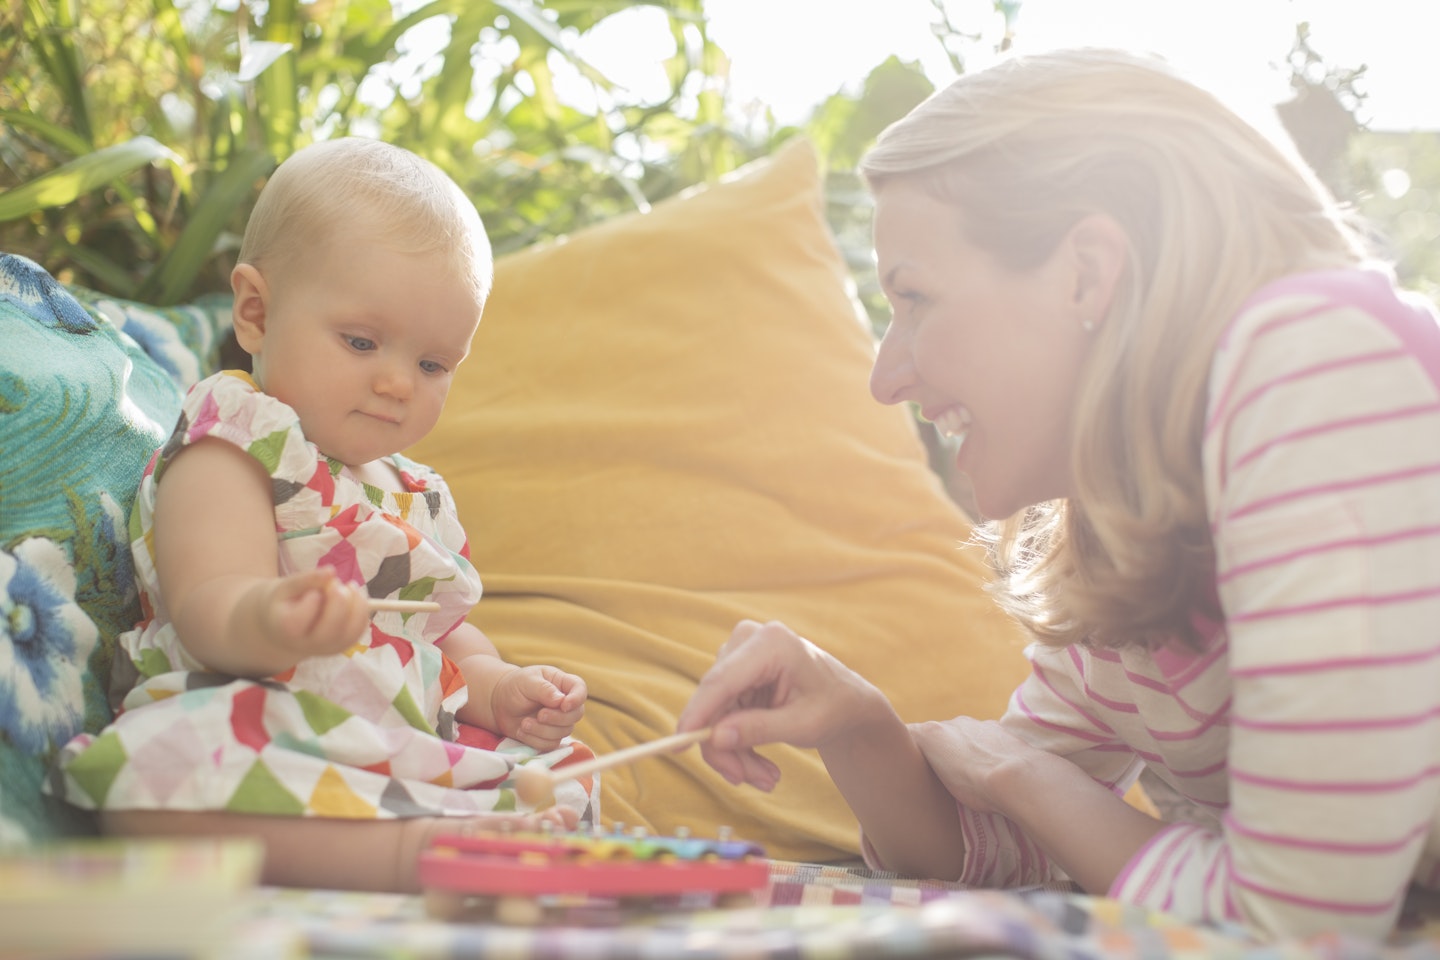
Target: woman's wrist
869, 727
867, 714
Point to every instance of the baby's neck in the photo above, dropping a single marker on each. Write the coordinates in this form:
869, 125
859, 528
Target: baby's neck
378, 473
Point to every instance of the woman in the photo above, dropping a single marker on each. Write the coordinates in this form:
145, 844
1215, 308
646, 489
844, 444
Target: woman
1212, 429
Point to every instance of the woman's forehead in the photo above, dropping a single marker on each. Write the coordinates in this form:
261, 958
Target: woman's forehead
909, 225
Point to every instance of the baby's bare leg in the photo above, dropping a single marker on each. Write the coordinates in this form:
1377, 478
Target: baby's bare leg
374, 855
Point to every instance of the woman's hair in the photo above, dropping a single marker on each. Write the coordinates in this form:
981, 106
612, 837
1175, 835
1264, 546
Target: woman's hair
357, 190
1213, 210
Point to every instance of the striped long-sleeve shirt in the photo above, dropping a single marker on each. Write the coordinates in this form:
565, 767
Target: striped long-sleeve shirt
1304, 741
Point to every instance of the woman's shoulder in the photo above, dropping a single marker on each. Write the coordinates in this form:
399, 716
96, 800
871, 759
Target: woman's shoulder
1314, 320
1362, 295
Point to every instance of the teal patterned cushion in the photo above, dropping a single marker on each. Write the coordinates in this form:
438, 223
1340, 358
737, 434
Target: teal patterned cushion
89, 387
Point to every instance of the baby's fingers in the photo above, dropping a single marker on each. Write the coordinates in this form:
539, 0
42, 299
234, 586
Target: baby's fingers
542, 736
342, 619
570, 690
560, 718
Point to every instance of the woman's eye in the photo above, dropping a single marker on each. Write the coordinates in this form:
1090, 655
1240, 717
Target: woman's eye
362, 344
906, 302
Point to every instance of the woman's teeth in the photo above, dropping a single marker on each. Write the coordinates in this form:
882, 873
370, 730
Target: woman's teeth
954, 424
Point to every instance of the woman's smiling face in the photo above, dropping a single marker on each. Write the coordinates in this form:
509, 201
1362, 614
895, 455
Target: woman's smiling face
991, 355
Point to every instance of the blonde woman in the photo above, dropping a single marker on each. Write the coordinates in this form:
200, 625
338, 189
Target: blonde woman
1209, 429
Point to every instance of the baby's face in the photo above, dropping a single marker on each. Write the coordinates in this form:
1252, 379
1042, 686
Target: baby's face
363, 342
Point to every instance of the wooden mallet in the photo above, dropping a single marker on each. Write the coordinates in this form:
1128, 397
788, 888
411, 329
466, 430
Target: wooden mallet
535, 785
404, 606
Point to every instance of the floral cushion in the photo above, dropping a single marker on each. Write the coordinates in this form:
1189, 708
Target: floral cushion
89, 387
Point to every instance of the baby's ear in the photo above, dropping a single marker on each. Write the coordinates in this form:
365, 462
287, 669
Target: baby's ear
252, 297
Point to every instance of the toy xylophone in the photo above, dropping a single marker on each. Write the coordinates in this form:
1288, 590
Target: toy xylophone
515, 873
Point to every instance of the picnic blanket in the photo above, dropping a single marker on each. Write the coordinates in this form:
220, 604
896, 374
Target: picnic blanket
815, 911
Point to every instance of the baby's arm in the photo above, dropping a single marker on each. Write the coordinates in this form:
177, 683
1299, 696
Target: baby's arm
537, 705
218, 566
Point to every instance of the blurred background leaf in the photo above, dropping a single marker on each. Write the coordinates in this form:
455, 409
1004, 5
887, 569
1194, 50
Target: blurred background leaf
135, 134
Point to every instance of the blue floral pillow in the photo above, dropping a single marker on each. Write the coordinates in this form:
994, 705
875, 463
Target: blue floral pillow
89, 387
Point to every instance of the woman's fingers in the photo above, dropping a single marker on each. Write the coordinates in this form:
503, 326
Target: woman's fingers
744, 669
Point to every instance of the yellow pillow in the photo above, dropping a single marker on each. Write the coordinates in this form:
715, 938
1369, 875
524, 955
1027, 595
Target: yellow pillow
665, 427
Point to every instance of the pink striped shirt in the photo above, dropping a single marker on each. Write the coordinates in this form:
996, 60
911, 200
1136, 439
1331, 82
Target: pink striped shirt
1297, 759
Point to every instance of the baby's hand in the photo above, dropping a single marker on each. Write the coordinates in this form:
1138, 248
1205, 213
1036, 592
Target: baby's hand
313, 614
538, 705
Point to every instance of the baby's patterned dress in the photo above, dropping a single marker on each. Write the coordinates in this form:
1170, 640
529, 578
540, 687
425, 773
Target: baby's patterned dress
365, 734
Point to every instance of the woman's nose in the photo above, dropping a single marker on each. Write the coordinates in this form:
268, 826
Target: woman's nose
894, 370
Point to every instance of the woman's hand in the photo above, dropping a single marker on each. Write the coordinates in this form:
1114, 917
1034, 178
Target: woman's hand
768, 685
972, 758
990, 770
538, 705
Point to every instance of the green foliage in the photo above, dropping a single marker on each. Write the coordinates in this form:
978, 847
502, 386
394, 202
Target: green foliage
1397, 192
843, 128
1389, 181
137, 132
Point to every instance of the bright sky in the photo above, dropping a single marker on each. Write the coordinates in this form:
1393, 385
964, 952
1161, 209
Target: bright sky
792, 54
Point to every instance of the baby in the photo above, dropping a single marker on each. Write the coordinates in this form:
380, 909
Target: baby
262, 693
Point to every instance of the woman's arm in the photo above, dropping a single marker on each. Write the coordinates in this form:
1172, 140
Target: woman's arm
1322, 458
910, 821
217, 561
769, 685
1079, 824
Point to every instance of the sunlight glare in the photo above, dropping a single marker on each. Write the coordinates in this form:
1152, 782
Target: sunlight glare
792, 55
1395, 182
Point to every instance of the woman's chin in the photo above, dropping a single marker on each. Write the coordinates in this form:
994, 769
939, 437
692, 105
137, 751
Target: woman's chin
994, 504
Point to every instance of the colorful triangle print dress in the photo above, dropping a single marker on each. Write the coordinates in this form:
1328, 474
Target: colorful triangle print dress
367, 734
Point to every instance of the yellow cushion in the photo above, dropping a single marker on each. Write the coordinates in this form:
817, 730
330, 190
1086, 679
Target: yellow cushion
665, 427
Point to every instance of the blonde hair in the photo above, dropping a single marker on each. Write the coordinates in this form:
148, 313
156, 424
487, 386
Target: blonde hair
356, 190
1213, 210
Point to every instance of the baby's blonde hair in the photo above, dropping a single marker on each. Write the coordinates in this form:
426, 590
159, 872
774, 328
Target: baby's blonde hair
358, 190
1213, 210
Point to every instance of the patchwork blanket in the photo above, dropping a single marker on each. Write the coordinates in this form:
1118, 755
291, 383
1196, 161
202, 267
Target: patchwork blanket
810, 910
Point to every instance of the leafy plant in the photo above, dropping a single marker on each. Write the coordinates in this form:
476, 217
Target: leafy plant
135, 132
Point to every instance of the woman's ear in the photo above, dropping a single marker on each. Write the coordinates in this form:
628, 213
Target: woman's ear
1101, 251
252, 298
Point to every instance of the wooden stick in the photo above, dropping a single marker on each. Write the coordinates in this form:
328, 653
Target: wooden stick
535, 784
404, 606
664, 745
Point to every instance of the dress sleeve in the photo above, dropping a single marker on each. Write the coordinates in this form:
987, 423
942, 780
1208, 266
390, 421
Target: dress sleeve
1322, 458
229, 406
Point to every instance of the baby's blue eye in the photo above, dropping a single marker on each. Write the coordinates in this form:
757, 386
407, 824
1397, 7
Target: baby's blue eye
360, 343
430, 366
